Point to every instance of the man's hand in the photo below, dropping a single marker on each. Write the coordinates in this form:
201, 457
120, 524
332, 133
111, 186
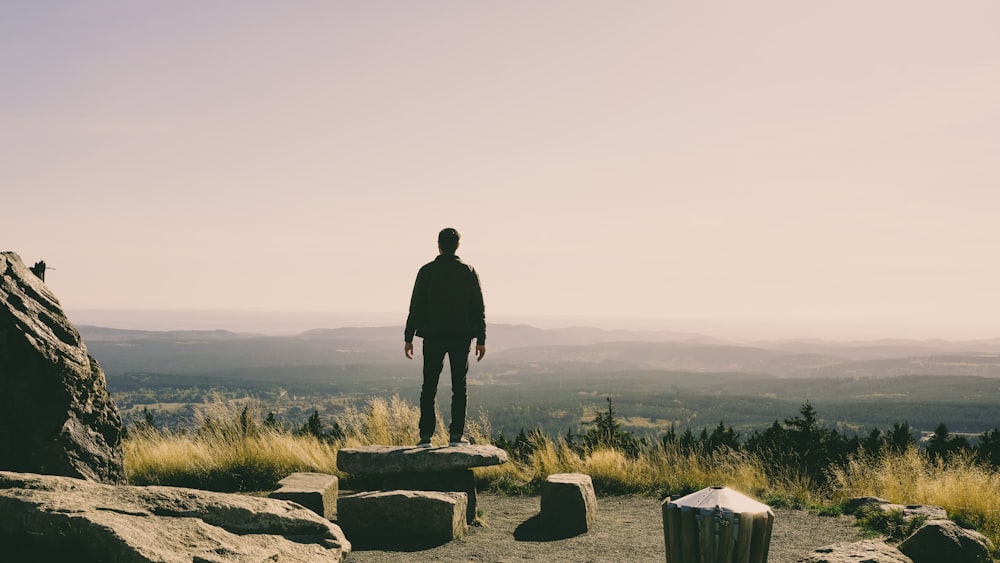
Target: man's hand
480, 351
408, 350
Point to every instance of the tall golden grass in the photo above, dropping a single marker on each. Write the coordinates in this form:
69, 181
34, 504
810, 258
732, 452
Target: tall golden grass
231, 450
967, 489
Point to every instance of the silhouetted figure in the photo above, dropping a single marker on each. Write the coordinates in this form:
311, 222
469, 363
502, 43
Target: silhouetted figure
39, 269
447, 311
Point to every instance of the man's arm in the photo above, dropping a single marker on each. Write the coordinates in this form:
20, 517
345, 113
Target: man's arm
477, 310
418, 307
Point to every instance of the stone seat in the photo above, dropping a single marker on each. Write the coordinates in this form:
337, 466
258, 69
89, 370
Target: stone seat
445, 468
383, 460
402, 517
569, 504
315, 491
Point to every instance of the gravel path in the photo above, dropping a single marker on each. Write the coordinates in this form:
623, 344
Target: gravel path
627, 529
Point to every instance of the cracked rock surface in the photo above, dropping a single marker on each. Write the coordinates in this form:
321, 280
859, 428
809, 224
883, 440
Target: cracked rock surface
50, 518
56, 414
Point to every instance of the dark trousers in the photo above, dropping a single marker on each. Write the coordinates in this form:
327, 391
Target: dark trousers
458, 357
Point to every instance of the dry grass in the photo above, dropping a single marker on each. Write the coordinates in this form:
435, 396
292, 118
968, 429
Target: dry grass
223, 462
232, 451
968, 490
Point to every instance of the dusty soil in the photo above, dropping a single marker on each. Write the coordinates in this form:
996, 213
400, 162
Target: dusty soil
627, 529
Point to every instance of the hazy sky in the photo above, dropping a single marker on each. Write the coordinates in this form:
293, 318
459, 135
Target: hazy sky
756, 163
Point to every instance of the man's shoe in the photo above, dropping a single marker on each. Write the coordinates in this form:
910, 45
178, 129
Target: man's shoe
458, 441
424, 443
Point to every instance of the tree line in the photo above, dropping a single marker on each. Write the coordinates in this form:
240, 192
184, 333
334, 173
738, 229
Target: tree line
800, 441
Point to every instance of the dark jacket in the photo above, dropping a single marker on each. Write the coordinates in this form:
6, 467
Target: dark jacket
447, 302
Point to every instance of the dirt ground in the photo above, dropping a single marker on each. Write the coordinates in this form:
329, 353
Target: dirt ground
627, 529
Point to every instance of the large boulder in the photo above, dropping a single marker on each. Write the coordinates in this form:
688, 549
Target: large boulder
49, 518
944, 540
56, 415
865, 551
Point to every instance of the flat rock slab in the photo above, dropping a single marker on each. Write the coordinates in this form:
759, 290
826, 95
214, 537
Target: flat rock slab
315, 491
403, 518
49, 518
385, 460
866, 551
911, 511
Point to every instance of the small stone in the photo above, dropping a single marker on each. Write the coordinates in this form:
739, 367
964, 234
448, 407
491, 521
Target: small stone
315, 491
569, 504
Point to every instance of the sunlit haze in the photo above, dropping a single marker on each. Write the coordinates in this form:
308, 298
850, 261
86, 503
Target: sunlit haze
776, 168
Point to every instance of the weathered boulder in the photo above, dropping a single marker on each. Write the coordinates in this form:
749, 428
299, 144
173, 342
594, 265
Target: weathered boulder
56, 415
315, 491
866, 551
415, 518
382, 460
944, 540
569, 504
50, 518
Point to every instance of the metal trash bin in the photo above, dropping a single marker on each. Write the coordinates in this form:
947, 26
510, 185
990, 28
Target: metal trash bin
716, 525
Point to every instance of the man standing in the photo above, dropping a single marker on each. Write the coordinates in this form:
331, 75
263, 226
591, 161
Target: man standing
447, 311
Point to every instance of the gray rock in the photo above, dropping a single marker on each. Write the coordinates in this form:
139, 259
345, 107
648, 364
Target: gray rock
315, 491
382, 460
911, 511
866, 551
47, 518
56, 415
944, 540
456, 481
414, 518
569, 504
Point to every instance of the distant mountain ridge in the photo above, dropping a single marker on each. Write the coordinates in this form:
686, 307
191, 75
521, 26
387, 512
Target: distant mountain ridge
197, 351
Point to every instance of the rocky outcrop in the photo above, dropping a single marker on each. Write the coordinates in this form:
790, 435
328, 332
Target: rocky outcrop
49, 518
866, 551
944, 540
56, 415
382, 460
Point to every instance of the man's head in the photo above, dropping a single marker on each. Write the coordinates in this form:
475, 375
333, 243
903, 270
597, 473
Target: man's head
448, 241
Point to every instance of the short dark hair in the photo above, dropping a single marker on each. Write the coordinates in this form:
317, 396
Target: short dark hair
448, 240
